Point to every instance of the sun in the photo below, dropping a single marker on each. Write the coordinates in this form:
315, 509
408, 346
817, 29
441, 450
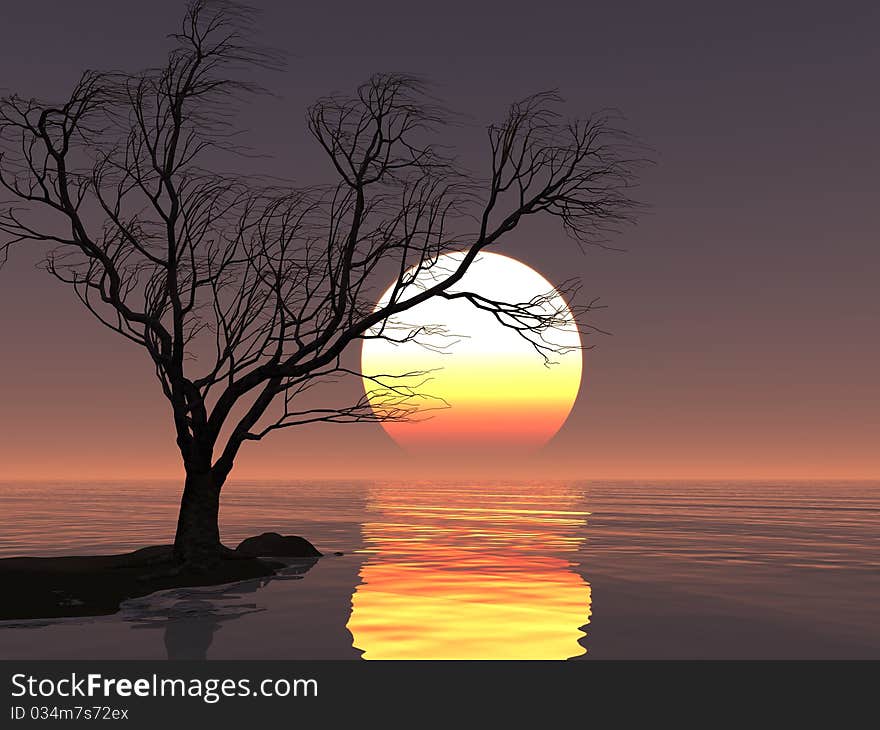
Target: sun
477, 383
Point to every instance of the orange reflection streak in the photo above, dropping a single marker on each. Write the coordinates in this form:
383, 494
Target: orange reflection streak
466, 574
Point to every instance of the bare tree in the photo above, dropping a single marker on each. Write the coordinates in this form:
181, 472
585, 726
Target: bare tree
246, 293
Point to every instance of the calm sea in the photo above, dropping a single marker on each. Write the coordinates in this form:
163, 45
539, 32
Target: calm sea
549, 570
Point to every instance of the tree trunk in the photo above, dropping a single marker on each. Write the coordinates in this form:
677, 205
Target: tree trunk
197, 542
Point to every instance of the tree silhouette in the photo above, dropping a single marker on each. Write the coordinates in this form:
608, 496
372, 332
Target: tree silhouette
245, 292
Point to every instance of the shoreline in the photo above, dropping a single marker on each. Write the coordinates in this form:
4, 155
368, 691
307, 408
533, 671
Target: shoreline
78, 586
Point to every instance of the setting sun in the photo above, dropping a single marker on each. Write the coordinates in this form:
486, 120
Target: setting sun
479, 383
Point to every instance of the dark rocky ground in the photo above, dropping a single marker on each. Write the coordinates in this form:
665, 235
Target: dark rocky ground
93, 585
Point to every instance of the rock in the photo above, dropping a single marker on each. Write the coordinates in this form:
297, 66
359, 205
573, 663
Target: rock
95, 585
271, 544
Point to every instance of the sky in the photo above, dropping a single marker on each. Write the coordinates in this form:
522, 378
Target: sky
743, 312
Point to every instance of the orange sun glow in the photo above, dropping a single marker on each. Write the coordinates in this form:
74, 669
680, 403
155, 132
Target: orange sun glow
477, 383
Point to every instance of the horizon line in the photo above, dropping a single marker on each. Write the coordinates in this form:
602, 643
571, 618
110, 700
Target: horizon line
449, 477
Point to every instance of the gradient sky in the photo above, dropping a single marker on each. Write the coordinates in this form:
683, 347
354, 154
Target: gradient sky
744, 313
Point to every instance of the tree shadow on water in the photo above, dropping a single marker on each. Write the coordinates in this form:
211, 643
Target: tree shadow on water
190, 617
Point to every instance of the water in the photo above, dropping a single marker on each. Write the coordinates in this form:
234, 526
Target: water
551, 570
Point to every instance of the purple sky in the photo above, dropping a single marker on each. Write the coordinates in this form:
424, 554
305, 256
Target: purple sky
744, 313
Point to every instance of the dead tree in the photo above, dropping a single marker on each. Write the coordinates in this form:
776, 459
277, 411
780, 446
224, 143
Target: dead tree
244, 293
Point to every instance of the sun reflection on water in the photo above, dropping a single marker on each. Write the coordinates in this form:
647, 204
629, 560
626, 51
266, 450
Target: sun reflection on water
471, 574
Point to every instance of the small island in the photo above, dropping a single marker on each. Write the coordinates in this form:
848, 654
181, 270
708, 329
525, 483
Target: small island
95, 585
